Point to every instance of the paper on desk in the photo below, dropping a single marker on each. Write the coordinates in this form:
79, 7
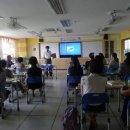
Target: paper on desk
116, 83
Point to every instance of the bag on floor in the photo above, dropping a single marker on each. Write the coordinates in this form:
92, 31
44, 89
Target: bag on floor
71, 119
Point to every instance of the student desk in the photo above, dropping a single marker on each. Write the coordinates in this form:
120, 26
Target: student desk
116, 84
13, 81
20, 76
113, 75
49, 66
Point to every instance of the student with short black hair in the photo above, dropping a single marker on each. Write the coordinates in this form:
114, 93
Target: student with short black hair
94, 83
9, 62
114, 62
103, 58
74, 68
91, 56
19, 66
125, 74
34, 70
3, 91
9, 74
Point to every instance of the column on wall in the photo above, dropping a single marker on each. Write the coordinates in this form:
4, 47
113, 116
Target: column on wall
33, 47
21, 48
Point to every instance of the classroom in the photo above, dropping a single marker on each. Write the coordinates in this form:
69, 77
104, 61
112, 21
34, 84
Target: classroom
63, 56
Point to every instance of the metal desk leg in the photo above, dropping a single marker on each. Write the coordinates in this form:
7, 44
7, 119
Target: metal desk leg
55, 68
118, 100
17, 97
12, 95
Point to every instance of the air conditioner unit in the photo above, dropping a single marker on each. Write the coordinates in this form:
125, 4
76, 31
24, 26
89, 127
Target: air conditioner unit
57, 6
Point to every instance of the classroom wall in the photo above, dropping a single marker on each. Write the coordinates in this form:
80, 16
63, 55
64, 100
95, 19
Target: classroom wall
30, 46
86, 41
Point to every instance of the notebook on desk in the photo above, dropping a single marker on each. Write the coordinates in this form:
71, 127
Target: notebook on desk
116, 83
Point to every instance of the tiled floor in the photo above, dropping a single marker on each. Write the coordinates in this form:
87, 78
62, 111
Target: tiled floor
48, 116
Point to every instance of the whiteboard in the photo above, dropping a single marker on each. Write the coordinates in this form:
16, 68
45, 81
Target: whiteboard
54, 48
88, 47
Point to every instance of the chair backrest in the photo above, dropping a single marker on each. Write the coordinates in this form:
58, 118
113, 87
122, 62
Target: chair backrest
108, 70
45, 66
73, 79
34, 80
126, 78
128, 104
19, 70
94, 98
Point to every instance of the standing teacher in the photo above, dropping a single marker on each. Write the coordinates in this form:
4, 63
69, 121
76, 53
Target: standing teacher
47, 57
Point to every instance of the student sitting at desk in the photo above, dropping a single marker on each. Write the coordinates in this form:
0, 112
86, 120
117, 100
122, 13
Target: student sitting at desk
91, 56
19, 66
94, 83
34, 71
74, 68
3, 92
9, 74
103, 58
114, 62
125, 71
9, 62
125, 66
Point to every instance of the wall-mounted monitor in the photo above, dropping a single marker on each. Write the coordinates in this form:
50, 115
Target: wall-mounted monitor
68, 49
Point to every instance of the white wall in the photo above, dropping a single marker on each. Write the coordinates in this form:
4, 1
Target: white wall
54, 48
87, 47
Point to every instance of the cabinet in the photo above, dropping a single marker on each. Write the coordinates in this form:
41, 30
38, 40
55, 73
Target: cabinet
108, 48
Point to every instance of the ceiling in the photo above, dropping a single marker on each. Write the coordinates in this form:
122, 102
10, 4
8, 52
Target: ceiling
86, 17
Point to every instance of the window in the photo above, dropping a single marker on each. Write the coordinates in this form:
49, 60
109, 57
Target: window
7, 48
109, 48
127, 46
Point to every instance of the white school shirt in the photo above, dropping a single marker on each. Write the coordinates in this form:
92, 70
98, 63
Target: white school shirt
47, 55
93, 83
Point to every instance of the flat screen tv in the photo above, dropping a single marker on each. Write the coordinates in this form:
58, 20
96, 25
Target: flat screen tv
68, 49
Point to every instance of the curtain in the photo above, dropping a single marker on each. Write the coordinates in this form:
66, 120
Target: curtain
8, 47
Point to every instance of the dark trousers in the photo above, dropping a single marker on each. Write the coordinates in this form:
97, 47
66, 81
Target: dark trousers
124, 111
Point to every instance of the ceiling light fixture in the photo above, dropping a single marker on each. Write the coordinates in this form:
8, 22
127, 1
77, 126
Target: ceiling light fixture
65, 22
57, 6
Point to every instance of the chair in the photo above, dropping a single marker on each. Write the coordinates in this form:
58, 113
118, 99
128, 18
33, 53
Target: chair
128, 115
2, 106
48, 68
72, 82
95, 103
36, 83
3, 97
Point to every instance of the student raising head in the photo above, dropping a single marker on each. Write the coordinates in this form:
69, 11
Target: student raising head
74, 68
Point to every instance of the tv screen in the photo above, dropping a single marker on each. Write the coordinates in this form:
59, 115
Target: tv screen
68, 49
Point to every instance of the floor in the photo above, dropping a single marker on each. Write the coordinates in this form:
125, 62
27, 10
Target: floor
48, 116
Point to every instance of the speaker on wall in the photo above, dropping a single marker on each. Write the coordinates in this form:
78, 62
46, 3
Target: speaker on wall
105, 36
41, 40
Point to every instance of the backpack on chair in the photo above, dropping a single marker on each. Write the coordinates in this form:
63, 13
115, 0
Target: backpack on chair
71, 119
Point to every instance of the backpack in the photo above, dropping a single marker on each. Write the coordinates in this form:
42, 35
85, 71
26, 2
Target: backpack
71, 119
